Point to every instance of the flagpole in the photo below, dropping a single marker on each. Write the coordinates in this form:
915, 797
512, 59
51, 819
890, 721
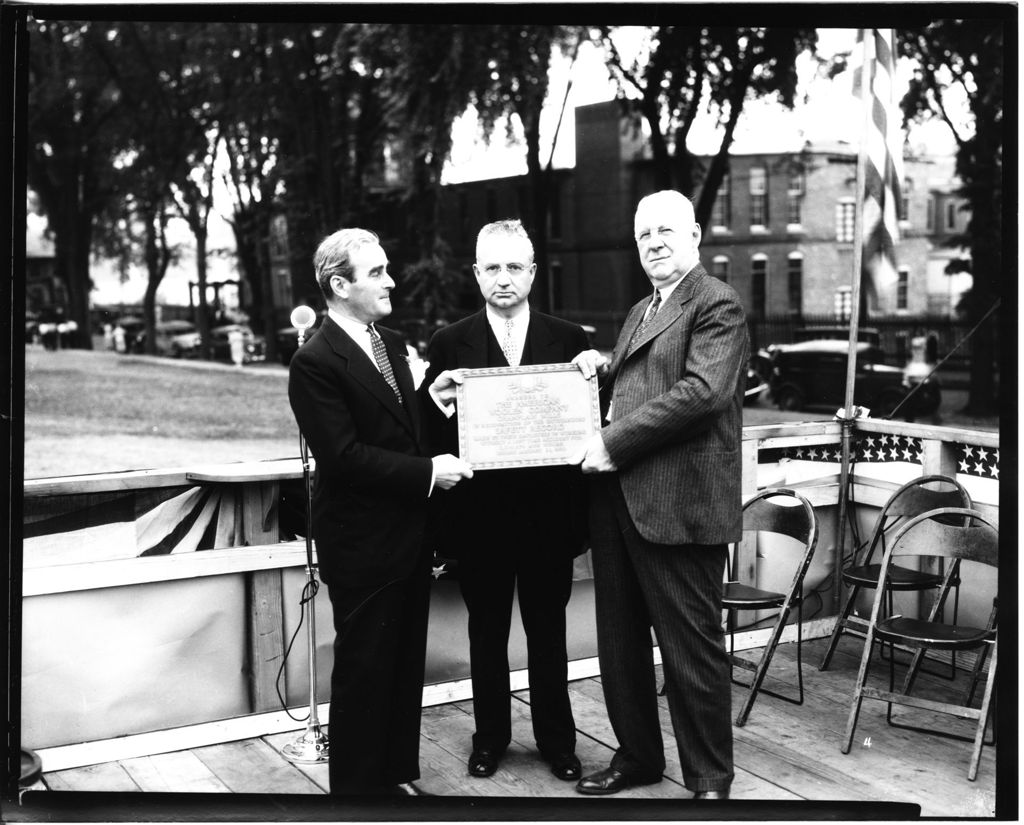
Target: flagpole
847, 414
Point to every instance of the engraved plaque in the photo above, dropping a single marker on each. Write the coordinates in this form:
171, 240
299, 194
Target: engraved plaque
530, 416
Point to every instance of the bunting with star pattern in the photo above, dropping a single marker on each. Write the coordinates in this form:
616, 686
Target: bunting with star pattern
877, 448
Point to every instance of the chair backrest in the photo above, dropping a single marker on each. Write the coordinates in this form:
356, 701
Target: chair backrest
956, 533
914, 497
919, 495
797, 520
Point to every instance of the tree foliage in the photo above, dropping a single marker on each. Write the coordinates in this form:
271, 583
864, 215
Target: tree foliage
682, 71
965, 58
75, 119
517, 88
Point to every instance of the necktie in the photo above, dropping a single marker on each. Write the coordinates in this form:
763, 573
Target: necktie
652, 310
381, 356
508, 346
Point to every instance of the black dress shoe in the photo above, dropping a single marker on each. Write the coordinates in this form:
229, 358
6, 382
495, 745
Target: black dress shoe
612, 781
722, 794
408, 789
565, 766
483, 762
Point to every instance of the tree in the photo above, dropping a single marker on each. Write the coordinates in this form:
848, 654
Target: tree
966, 57
683, 71
425, 77
516, 87
75, 119
159, 71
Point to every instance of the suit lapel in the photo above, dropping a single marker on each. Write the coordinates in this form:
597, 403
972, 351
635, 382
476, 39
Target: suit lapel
541, 344
670, 311
366, 373
471, 349
403, 375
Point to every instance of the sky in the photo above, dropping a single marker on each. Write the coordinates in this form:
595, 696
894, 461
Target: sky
826, 111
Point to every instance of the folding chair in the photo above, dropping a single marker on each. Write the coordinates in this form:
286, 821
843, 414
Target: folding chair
915, 497
763, 513
953, 534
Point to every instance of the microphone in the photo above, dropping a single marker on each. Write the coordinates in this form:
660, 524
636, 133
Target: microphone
312, 744
302, 318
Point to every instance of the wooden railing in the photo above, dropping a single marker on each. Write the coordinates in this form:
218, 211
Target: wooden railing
252, 581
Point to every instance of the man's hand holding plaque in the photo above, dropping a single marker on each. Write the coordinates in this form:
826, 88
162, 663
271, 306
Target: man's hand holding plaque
591, 363
444, 389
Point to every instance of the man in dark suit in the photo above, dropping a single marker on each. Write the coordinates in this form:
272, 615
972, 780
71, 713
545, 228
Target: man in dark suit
511, 528
353, 397
666, 506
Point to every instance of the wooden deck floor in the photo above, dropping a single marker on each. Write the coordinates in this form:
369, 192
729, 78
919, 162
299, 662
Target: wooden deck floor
785, 753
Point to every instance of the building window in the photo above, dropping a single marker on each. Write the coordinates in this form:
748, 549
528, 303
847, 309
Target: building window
721, 213
720, 268
905, 191
842, 303
555, 270
492, 206
950, 216
902, 285
845, 218
795, 196
795, 282
759, 285
523, 204
929, 215
758, 196
555, 213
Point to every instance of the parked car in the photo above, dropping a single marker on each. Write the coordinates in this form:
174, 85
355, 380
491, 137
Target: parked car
867, 335
133, 328
254, 347
813, 373
757, 381
176, 339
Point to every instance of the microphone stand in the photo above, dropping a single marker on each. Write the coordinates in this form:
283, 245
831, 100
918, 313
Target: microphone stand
312, 745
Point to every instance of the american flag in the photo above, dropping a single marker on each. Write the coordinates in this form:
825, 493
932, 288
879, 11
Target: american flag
874, 67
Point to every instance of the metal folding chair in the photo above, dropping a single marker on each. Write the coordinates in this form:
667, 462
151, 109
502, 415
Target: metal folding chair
954, 534
915, 497
764, 513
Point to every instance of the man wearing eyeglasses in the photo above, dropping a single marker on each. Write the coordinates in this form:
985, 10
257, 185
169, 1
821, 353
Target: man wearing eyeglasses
511, 529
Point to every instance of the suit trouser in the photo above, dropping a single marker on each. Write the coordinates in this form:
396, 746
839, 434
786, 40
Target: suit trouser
488, 580
677, 589
377, 682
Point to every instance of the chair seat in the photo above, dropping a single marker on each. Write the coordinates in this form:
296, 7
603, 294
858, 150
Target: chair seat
918, 632
901, 578
738, 596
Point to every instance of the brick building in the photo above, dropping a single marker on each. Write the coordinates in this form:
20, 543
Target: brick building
781, 234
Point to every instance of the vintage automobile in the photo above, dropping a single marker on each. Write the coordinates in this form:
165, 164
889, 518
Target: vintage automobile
254, 347
176, 339
813, 374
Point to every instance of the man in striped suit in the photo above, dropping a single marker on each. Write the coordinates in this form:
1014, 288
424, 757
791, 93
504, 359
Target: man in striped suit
664, 507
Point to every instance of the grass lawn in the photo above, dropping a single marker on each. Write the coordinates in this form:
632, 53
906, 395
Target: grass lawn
90, 412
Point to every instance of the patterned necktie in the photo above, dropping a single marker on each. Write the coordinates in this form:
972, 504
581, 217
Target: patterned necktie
381, 356
508, 346
652, 310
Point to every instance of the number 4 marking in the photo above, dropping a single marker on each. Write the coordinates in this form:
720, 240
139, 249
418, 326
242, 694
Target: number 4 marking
867, 742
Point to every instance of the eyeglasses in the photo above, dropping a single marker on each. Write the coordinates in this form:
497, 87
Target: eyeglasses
512, 269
